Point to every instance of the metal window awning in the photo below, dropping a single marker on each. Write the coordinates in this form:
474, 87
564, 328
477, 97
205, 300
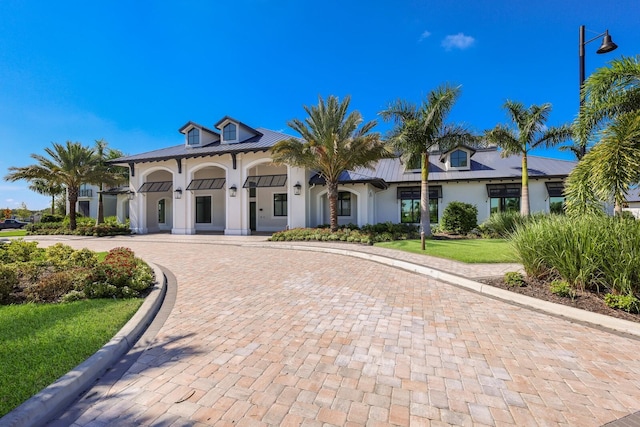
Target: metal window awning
155, 187
504, 190
265, 181
206, 184
435, 192
555, 189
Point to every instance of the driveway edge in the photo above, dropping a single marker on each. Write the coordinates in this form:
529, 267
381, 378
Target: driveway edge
42, 407
567, 312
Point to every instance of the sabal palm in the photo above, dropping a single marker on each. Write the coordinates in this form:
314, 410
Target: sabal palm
608, 171
70, 165
420, 130
47, 187
608, 92
106, 173
332, 142
527, 133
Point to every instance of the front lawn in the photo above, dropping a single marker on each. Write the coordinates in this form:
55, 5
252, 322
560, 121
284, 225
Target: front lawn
42, 342
463, 250
13, 233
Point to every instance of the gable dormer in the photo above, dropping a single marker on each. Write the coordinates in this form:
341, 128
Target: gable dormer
234, 131
458, 158
196, 135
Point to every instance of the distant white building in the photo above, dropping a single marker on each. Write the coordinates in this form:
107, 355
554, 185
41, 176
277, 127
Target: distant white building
87, 204
223, 180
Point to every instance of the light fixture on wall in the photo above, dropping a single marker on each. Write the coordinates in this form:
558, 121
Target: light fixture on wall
131, 195
178, 193
297, 189
233, 190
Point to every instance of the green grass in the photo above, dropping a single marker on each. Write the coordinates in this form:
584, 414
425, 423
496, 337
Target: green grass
41, 342
13, 233
469, 251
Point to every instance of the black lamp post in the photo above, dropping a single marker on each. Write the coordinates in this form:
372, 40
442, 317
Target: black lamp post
607, 46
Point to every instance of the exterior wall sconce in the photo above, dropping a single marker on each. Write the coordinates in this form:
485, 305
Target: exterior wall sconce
131, 195
233, 190
297, 189
178, 193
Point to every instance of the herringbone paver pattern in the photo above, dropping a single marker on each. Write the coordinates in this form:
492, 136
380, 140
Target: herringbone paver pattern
263, 336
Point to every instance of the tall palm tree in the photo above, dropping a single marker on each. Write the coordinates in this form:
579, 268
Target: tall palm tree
47, 187
420, 130
106, 173
332, 142
607, 92
607, 172
529, 132
70, 165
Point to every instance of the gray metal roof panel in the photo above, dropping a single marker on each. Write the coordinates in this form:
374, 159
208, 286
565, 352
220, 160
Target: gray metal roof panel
262, 142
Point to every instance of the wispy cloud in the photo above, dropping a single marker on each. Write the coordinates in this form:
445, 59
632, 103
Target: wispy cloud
424, 35
458, 41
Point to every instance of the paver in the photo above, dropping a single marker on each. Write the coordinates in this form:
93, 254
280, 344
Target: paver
268, 336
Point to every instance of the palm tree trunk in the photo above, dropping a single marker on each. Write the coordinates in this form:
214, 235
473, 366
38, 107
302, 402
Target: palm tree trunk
332, 195
100, 218
524, 198
53, 204
73, 199
425, 220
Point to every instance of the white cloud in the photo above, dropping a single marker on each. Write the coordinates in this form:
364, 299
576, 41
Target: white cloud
458, 41
424, 35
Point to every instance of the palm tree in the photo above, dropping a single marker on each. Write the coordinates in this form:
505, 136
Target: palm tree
332, 142
607, 92
47, 187
70, 165
529, 133
418, 131
107, 174
607, 172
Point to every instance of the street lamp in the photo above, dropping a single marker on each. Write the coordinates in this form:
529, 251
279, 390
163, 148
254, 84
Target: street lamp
607, 46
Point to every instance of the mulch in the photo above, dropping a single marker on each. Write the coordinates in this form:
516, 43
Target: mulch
585, 300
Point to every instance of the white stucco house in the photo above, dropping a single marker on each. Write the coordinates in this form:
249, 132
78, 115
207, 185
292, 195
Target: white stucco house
87, 204
222, 179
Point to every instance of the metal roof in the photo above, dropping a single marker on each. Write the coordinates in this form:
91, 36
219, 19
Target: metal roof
262, 142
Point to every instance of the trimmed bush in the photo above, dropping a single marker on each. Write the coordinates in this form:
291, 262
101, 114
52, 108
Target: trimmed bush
514, 279
8, 280
459, 218
628, 303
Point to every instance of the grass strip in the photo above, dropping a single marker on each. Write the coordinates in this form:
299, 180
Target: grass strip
470, 251
42, 342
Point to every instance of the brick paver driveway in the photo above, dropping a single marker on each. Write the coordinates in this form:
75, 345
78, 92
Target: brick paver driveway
265, 336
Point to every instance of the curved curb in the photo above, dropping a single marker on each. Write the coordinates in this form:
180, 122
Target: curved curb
567, 312
42, 407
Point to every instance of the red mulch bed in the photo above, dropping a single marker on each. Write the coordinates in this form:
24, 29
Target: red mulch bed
587, 300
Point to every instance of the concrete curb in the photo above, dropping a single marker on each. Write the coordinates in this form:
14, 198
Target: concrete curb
42, 407
570, 313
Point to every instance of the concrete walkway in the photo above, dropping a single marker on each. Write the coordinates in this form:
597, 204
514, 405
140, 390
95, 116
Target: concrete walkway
263, 334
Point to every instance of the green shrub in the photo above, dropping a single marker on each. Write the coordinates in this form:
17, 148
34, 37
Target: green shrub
587, 251
459, 218
51, 218
19, 250
100, 290
514, 279
628, 303
8, 280
72, 296
562, 288
59, 255
502, 224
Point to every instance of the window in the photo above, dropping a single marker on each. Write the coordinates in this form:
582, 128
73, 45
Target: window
193, 137
161, 211
229, 132
85, 190
203, 210
410, 210
252, 192
458, 159
556, 205
505, 204
344, 203
83, 207
280, 204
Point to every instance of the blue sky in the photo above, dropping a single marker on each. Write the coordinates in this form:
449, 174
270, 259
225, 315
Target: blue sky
133, 72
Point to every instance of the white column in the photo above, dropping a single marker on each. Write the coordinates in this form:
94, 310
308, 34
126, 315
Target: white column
297, 204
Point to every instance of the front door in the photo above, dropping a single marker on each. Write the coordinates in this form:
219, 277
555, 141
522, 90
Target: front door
252, 216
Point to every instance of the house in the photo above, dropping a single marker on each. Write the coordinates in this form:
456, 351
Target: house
88, 196
633, 202
222, 179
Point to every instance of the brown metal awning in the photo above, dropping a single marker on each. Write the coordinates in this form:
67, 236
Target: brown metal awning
555, 189
155, 187
265, 181
206, 184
